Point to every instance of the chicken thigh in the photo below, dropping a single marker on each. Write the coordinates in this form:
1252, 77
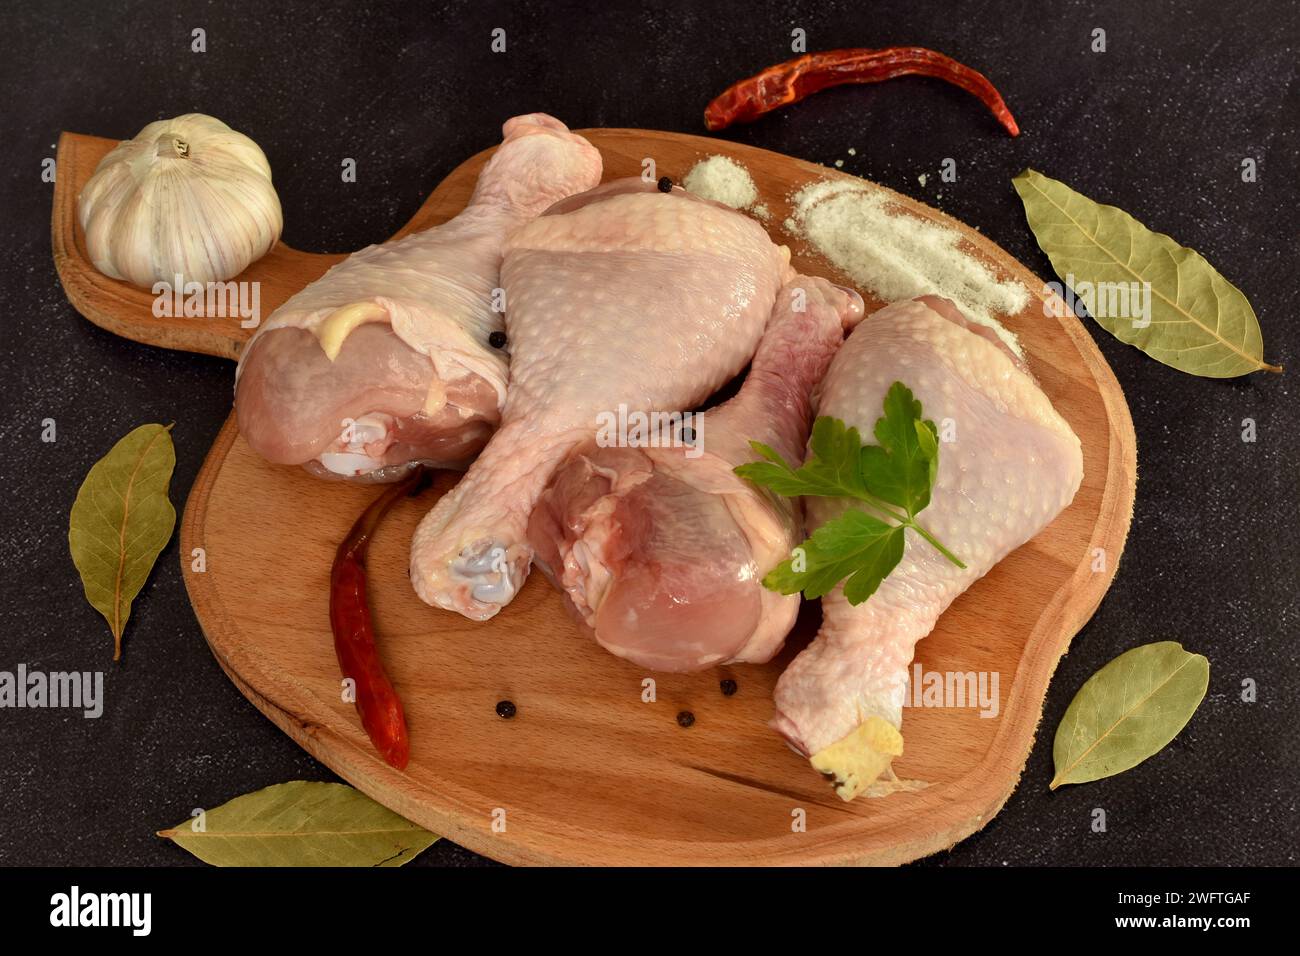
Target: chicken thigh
622, 298
1011, 466
385, 360
661, 549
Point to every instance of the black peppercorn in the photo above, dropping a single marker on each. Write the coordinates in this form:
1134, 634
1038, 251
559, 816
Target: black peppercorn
728, 687
497, 339
665, 184
685, 718
505, 709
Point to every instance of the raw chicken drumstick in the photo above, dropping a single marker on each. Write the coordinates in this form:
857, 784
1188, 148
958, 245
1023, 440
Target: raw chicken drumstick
624, 296
385, 360
1013, 465
661, 549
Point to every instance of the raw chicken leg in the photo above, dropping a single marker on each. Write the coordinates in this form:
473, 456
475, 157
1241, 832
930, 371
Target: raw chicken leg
385, 359
661, 549
1013, 465
624, 296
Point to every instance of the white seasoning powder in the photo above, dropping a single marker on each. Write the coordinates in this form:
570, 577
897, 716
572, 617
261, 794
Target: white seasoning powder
723, 180
898, 256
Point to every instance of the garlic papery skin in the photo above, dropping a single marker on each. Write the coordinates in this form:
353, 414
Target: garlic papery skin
186, 197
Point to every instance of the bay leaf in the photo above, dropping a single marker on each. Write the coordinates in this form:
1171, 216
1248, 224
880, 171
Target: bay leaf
121, 521
1128, 711
1198, 322
302, 823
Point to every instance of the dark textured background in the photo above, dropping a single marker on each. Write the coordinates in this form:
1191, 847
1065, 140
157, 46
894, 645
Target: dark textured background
1158, 125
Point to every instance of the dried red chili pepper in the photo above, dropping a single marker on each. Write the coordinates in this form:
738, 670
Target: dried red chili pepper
796, 79
354, 639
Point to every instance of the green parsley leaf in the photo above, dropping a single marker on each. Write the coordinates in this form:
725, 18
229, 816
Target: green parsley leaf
830, 472
834, 456
773, 473
900, 469
854, 545
860, 547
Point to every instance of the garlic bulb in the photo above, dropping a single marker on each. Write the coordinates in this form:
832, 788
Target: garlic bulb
187, 196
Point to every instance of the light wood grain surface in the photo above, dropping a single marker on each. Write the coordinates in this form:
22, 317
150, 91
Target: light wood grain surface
588, 773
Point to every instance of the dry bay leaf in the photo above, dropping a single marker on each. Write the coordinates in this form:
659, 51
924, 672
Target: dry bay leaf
121, 521
1198, 322
1128, 711
302, 823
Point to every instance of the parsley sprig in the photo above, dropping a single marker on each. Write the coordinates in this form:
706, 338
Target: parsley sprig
893, 479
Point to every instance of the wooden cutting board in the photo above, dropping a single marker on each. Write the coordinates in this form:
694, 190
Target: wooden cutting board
589, 772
